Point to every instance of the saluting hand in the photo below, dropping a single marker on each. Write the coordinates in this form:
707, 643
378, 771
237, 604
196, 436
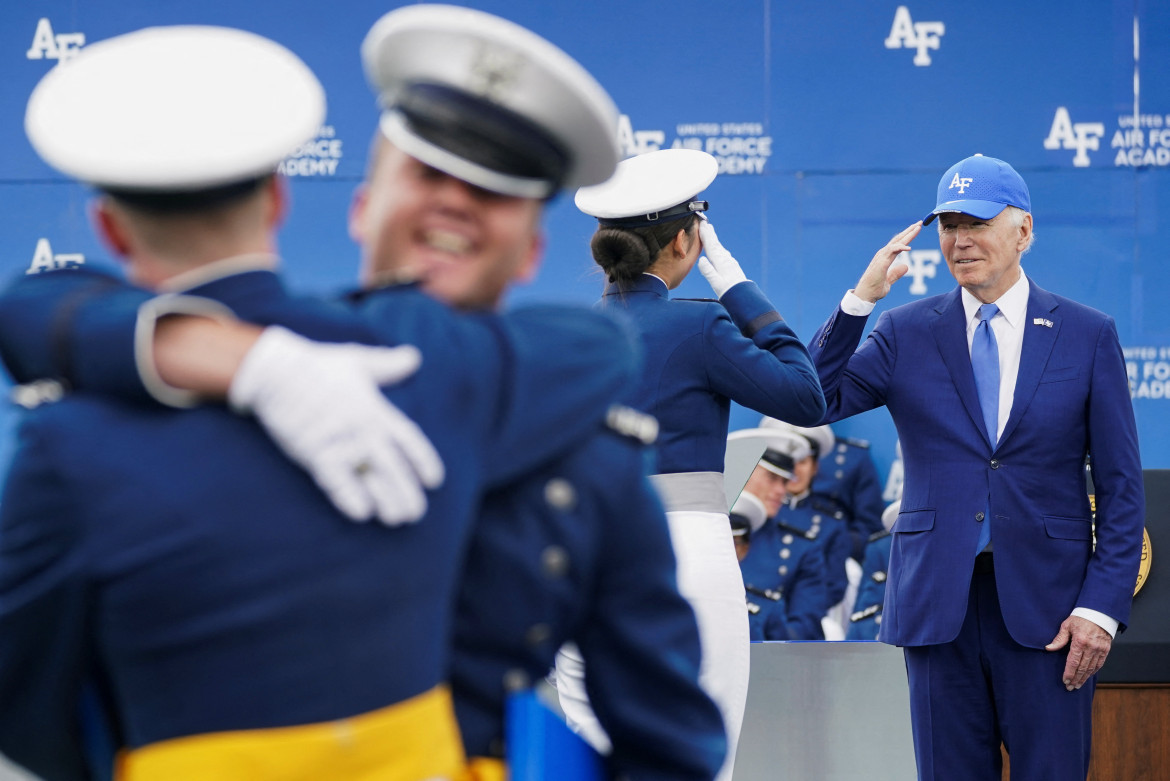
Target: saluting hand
884, 270
1086, 655
718, 267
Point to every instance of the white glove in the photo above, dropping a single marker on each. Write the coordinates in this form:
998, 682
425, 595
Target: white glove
722, 271
321, 404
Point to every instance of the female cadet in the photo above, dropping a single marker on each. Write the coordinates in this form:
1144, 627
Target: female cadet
700, 355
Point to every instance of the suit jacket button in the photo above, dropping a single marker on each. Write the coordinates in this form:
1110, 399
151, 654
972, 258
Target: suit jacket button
979, 517
994, 464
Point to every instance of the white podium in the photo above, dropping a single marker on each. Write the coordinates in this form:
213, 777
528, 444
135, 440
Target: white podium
826, 711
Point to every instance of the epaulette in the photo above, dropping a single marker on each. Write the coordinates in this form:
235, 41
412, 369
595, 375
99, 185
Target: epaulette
629, 422
862, 443
809, 535
766, 593
33, 394
861, 615
878, 535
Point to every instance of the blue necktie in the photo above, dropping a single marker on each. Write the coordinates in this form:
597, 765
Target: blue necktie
985, 362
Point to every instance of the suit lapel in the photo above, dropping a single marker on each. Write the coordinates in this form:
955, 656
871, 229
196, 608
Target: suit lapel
1036, 347
950, 333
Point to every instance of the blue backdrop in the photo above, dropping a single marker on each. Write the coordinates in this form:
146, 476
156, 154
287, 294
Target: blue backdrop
832, 121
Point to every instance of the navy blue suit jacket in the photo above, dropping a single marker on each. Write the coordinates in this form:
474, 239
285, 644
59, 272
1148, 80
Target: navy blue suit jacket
1071, 400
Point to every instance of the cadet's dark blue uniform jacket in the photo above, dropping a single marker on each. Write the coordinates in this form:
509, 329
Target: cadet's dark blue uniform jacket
766, 618
784, 559
699, 356
847, 475
181, 563
581, 551
824, 522
866, 618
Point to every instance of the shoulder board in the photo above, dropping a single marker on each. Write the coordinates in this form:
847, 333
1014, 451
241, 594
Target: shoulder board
766, 593
33, 394
861, 615
808, 535
629, 422
862, 443
878, 535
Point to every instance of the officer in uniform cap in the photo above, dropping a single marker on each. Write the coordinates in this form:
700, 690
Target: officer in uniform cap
699, 356
866, 617
766, 608
783, 560
113, 583
816, 515
582, 540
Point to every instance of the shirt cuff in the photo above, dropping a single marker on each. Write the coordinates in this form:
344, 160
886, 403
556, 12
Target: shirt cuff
1098, 618
148, 316
852, 305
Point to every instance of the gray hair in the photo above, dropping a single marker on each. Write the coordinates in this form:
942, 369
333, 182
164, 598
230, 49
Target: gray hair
1016, 215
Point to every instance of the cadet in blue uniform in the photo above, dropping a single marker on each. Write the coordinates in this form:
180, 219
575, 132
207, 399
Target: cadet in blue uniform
578, 549
230, 621
819, 518
699, 357
866, 618
766, 607
848, 475
783, 560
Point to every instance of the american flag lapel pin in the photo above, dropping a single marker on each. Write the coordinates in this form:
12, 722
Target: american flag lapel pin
1042, 321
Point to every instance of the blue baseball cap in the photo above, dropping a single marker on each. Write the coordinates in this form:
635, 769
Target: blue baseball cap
981, 187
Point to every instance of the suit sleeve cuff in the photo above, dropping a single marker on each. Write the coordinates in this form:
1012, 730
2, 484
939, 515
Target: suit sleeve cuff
1098, 618
852, 305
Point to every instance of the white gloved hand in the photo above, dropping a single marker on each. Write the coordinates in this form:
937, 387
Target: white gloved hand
721, 271
321, 404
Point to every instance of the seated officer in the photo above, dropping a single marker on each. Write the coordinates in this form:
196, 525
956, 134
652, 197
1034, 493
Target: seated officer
866, 618
784, 559
821, 517
766, 619
847, 475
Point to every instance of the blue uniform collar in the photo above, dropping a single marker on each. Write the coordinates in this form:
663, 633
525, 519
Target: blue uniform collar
645, 283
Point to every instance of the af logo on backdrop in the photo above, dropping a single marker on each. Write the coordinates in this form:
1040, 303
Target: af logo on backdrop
44, 259
48, 45
905, 33
1141, 140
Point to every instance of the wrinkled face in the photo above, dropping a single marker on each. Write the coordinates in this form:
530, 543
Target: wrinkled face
984, 255
769, 487
803, 473
465, 244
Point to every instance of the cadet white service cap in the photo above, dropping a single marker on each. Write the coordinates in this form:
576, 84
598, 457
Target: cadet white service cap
651, 188
820, 437
782, 449
749, 507
890, 514
180, 109
489, 102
